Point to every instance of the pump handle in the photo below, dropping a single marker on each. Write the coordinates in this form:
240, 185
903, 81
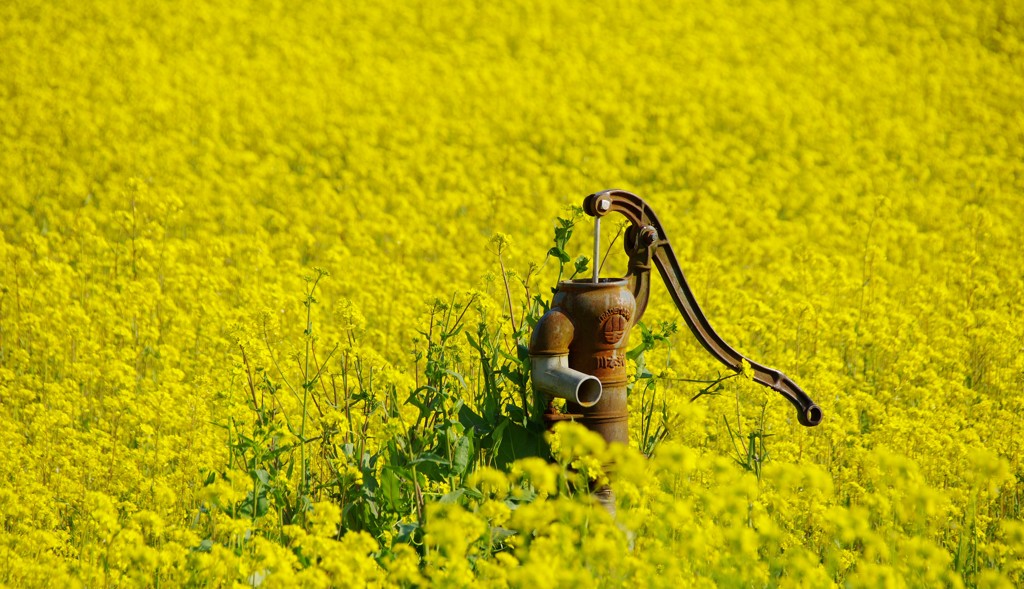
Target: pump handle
645, 241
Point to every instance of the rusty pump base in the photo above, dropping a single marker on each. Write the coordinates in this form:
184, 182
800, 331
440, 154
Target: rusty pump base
578, 348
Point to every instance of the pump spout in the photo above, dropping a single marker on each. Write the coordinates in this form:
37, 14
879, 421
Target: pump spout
552, 376
549, 359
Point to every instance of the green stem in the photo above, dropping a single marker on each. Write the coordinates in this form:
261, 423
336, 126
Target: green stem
305, 387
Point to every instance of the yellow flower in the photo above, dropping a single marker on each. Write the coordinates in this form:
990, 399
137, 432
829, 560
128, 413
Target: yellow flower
842, 189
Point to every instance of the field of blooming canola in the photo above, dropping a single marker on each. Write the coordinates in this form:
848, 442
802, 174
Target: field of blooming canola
266, 270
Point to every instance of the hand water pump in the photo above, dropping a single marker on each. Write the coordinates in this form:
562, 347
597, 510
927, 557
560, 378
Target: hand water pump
578, 348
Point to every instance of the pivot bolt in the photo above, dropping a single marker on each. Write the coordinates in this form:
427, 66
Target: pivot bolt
648, 235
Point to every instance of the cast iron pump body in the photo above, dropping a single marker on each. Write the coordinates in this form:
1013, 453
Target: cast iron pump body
578, 348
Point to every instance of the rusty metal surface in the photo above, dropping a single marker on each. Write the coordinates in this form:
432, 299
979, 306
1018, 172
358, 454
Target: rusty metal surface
552, 334
646, 243
601, 316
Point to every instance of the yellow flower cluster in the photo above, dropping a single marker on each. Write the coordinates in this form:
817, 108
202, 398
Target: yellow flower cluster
186, 399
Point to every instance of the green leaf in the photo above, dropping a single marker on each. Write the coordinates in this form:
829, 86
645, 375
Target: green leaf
582, 263
557, 252
458, 377
500, 534
498, 434
519, 442
463, 452
523, 353
263, 476
471, 420
406, 531
452, 497
429, 458
390, 487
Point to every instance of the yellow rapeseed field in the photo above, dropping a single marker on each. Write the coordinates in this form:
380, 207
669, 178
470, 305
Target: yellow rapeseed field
267, 270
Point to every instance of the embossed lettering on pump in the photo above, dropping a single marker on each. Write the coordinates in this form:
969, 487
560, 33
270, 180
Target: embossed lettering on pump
614, 323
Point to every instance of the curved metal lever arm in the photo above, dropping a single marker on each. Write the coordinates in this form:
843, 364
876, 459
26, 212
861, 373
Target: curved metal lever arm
646, 242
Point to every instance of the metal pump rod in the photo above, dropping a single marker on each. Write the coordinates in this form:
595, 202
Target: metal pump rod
597, 248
